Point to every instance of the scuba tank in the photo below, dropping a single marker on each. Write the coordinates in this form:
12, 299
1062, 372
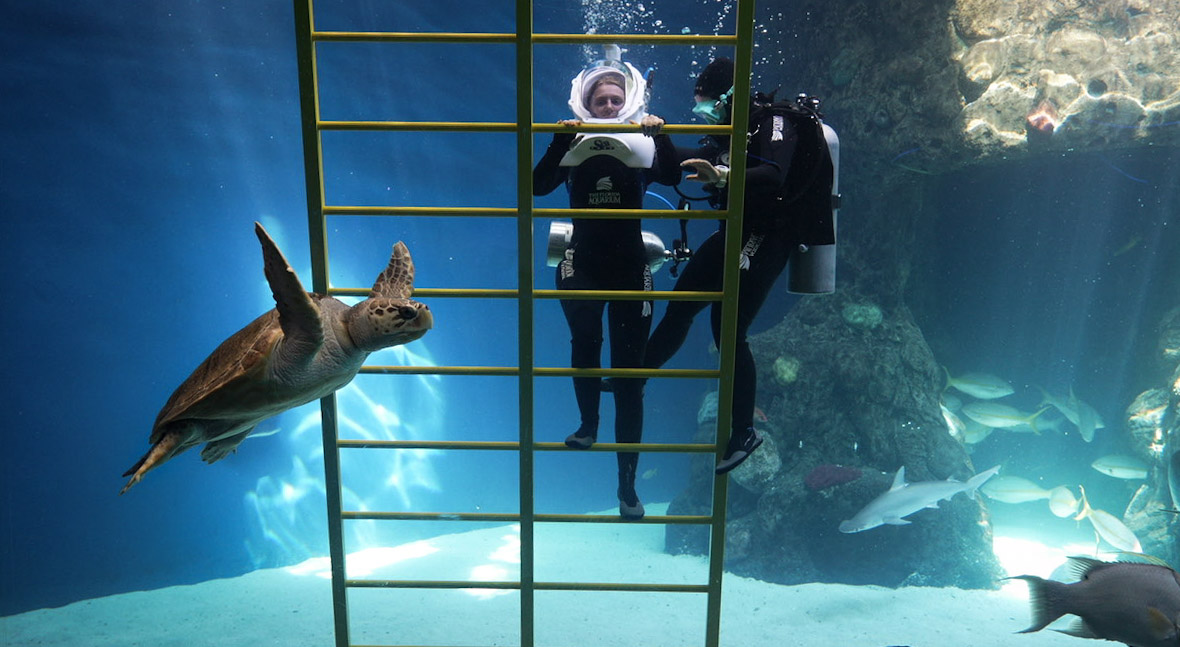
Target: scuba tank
812, 268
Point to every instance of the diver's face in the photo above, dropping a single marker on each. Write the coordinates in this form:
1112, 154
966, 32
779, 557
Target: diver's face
607, 101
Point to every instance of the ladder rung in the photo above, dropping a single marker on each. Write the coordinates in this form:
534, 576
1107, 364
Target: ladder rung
654, 295
649, 448
508, 127
653, 519
607, 586
479, 212
645, 448
507, 212
409, 37
678, 520
561, 39
606, 214
540, 586
440, 126
697, 373
428, 444
429, 584
354, 515
712, 40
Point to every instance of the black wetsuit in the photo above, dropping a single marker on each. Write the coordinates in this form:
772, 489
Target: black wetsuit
779, 201
606, 255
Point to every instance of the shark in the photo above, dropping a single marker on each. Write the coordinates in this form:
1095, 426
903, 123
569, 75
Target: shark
904, 499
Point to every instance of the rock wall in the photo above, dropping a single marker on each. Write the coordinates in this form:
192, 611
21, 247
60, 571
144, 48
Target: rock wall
1153, 423
934, 85
1066, 74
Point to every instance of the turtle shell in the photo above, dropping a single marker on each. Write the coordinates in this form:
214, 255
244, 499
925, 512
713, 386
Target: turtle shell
231, 382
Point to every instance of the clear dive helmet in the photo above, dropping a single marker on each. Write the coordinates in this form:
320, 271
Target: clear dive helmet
634, 89
635, 150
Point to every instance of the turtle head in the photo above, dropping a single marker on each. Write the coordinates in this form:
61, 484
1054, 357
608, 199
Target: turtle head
381, 322
389, 317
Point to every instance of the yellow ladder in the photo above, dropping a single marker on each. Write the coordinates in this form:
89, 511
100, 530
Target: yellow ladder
523, 39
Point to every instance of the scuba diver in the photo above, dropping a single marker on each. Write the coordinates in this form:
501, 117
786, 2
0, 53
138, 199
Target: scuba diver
789, 204
608, 171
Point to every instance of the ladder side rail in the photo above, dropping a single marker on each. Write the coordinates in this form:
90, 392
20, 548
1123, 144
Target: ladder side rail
525, 351
735, 204
317, 233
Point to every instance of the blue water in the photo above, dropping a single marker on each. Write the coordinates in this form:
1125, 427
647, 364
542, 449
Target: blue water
140, 143
1038, 282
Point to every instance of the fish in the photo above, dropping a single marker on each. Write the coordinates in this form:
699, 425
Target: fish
1127, 246
1062, 502
650, 474
1013, 489
1121, 467
1050, 424
994, 414
1130, 603
1082, 415
954, 424
1109, 527
1044, 424
1088, 419
904, 499
760, 415
975, 431
984, 386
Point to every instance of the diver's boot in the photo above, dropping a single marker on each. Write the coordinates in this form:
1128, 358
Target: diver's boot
630, 507
742, 443
583, 438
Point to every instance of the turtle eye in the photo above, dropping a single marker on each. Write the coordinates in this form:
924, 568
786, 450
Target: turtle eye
407, 312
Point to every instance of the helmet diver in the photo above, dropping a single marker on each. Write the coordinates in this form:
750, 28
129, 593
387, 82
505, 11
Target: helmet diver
607, 171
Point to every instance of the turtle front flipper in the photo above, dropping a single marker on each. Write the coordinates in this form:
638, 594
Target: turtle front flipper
299, 316
169, 445
397, 281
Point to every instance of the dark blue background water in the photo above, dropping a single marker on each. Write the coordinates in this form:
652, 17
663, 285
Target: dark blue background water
1056, 273
139, 145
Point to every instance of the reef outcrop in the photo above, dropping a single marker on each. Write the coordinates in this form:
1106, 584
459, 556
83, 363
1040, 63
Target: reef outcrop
865, 403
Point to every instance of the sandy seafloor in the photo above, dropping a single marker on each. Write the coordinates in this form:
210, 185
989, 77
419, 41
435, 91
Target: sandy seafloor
292, 606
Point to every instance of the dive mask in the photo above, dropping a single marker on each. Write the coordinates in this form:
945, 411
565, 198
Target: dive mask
713, 111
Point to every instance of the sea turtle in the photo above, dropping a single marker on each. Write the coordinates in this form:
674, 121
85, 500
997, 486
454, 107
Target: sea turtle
308, 346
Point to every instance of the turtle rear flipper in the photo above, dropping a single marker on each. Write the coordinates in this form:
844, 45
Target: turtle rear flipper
219, 449
162, 450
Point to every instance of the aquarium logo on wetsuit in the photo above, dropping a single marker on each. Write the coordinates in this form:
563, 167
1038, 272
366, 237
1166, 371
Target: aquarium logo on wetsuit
604, 193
